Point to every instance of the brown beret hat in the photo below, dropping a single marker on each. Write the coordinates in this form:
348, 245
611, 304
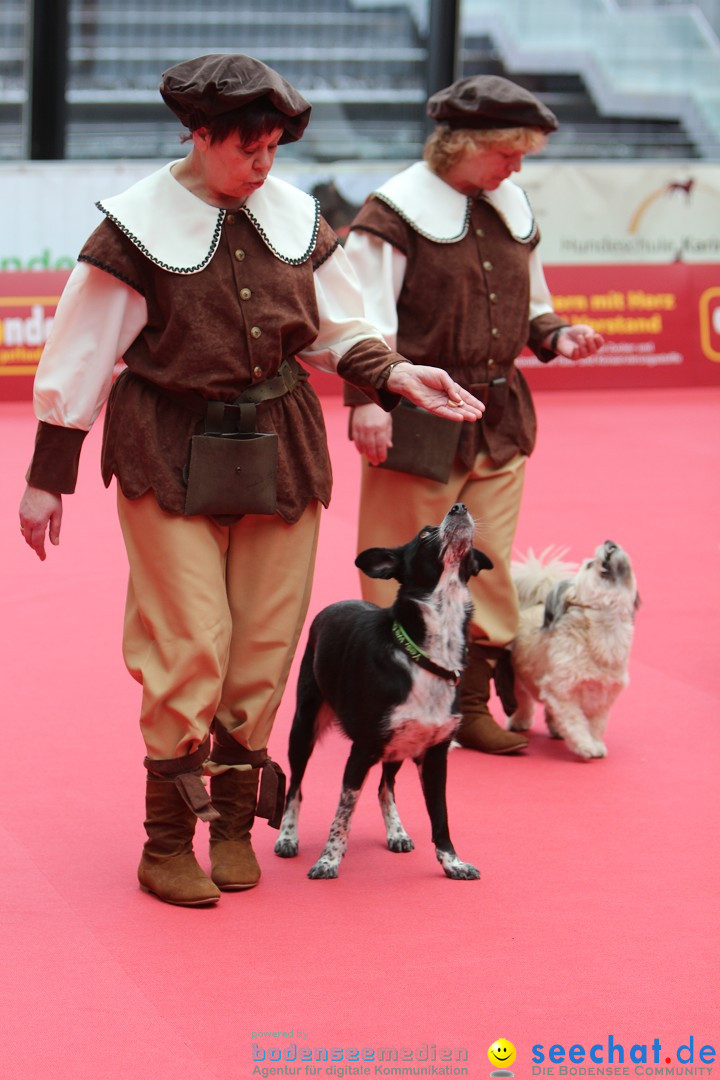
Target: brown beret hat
489, 101
199, 90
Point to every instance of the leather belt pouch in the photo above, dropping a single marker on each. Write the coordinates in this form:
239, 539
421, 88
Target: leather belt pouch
230, 473
494, 396
423, 444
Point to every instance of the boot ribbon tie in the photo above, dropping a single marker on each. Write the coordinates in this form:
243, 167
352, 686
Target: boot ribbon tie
196, 796
271, 796
186, 774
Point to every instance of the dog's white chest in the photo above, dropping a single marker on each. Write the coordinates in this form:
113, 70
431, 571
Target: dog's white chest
424, 720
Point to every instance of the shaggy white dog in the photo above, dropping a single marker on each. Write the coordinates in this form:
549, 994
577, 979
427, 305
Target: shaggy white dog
572, 646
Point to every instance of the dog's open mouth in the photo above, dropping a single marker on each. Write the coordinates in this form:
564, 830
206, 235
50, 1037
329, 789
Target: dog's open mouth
607, 569
457, 531
614, 563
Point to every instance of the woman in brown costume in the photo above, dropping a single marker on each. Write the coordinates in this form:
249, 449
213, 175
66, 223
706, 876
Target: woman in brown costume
446, 253
208, 278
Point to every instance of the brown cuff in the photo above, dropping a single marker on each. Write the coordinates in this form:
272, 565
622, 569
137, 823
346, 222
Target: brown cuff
54, 466
271, 798
365, 366
353, 396
185, 773
539, 330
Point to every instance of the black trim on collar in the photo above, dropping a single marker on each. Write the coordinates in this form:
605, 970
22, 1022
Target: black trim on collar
164, 266
529, 236
421, 232
278, 255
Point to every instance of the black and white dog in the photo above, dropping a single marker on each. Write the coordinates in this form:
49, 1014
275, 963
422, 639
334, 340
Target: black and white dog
389, 677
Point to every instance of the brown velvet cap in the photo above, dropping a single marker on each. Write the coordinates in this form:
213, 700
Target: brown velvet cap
489, 101
199, 90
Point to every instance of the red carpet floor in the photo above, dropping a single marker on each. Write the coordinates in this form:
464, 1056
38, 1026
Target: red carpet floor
596, 919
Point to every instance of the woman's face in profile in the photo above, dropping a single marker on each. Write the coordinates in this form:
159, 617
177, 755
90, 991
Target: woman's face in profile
233, 168
484, 169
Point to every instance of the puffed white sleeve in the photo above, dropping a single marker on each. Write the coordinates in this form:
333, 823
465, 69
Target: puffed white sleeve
97, 318
343, 323
380, 269
347, 342
540, 297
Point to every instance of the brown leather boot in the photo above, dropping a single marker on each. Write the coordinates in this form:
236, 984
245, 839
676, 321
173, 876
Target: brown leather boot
175, 797
168, 867
478, 730
234, 795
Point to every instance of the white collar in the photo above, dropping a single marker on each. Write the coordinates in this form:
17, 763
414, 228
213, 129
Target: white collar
180, 232
440, 213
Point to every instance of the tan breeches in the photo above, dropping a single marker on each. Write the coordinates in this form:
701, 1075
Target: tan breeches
394, 506
212, 620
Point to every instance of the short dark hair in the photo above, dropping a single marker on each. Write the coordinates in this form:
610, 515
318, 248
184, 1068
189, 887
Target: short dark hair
258, 117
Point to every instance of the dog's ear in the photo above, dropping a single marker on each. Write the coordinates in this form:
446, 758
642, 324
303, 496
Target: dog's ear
555, 602
474, 562
379, 562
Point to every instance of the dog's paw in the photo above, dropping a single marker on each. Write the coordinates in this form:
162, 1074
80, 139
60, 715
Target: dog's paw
588, 749
551, 725
519, 722
400, 842
456, 869
286, 847
323, 868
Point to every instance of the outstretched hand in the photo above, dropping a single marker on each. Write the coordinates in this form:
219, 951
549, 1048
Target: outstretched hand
432, 388
577, 342
40, 511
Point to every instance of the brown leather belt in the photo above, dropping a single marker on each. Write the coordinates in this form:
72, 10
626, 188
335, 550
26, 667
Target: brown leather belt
494, 395
221, 415
482, 388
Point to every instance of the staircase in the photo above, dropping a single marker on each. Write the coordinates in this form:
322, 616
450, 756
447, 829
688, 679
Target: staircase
625, 82
651, 69
363, 71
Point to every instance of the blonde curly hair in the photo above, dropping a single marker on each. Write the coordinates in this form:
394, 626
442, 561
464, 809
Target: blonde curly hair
444, 147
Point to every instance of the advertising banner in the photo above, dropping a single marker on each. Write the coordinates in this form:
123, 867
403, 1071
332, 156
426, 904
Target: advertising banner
632, 249
27, 305
661, 326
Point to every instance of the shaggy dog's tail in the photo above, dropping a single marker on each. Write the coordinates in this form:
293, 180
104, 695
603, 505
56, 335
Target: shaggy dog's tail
534, 575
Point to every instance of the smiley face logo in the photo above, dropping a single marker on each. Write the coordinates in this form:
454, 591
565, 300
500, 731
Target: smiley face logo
501, 1054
